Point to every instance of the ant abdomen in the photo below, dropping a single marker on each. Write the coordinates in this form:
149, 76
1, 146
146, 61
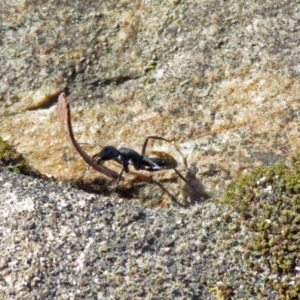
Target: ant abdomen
162, 159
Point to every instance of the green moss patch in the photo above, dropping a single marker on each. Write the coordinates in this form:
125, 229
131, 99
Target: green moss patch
268, 203
13, 160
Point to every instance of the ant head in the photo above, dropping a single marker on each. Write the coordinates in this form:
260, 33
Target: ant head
107, 153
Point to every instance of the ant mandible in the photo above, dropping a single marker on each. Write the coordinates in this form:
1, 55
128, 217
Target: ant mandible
154, 162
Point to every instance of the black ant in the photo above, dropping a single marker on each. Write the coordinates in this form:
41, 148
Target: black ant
156, 161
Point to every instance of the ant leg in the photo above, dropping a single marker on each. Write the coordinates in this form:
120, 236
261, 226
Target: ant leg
163, 139
117, 181
184, 179
154, 137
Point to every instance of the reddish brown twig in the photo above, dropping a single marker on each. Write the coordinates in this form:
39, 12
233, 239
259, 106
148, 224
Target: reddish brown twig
64, 114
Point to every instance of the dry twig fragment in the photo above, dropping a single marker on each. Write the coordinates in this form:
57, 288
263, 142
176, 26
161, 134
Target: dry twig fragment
64, 114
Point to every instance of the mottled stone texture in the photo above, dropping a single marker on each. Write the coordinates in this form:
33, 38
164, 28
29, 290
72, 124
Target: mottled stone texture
218, 77
221, 78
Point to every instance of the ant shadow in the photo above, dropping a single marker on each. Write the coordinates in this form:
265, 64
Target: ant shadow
155, 192
188, 194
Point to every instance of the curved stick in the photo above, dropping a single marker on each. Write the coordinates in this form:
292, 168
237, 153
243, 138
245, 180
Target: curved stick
64, 114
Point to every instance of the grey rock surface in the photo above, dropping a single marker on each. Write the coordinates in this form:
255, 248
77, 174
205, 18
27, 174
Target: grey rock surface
61, 243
